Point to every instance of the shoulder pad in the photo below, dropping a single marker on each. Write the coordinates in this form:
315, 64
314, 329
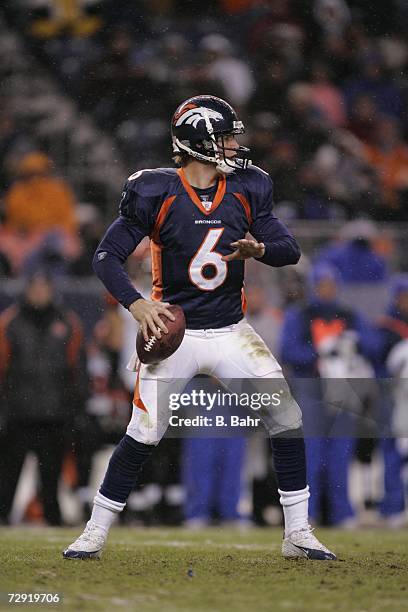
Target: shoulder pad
256, 170
253, 178
151, 182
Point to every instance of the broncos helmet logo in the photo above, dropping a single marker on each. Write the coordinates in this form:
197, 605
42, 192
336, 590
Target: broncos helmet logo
194, 115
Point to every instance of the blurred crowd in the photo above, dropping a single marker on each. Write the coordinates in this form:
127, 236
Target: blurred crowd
321, 87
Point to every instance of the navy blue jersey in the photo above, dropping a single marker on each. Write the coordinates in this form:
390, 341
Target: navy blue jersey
188, 235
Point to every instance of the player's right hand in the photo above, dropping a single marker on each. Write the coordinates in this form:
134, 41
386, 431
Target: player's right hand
146, 313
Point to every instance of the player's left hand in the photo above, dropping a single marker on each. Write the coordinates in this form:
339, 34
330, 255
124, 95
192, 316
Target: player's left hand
245, 249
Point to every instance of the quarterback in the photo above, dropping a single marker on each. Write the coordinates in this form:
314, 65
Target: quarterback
197, 218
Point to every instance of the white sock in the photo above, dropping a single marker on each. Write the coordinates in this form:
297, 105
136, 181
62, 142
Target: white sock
105, 511
295, 509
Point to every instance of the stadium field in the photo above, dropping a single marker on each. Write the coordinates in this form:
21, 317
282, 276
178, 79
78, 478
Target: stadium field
215, 569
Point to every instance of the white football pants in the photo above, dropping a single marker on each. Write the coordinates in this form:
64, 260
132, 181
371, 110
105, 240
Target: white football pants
233, 352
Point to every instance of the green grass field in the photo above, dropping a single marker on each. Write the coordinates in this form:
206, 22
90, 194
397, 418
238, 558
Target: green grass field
212, 570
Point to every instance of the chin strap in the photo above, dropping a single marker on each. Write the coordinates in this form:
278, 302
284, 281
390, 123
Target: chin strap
224, 168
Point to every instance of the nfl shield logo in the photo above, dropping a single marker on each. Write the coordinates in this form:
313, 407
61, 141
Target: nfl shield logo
206, 203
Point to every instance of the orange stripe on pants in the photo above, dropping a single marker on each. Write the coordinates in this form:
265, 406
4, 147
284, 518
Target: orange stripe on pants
137, 400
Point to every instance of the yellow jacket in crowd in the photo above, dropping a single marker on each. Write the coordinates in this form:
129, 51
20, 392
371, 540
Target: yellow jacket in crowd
38, 201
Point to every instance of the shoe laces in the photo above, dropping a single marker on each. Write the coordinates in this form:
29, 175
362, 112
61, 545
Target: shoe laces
308, 531
89, 531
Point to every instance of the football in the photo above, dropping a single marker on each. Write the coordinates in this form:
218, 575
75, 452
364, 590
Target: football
156, 350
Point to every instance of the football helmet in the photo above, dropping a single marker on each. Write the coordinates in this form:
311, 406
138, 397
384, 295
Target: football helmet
198, 128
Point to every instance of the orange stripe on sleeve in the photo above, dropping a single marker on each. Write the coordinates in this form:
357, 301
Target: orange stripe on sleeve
164, 209
156, 250
246, 206
157, 275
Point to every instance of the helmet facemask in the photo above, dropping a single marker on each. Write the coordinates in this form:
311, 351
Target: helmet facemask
227, 164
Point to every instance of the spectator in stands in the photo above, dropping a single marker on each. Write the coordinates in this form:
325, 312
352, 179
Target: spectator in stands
393, 361
43, 387
303, 121
349, 180
372, 80
49, 255
114, 87
90, 232
389, 156
224, 67
271, 87
49, 19
212, 478
276, 28
354, 256
324, 340
14, 141
331, 15
363, 117
39, 201
339, 53
315, 202
265, 319
211, 469
168, 64
327, 97
263, 134
283, 165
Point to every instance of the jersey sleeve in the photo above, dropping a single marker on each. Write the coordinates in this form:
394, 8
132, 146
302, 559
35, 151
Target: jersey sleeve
138, 209
281, 248
137, 214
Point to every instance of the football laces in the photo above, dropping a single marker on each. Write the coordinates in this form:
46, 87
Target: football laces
150, 343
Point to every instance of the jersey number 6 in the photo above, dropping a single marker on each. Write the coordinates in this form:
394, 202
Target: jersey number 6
207, 271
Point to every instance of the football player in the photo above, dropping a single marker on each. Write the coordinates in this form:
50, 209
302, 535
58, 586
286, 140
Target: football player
197, 218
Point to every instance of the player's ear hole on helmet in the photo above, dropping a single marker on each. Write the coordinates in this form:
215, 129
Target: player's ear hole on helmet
206, 144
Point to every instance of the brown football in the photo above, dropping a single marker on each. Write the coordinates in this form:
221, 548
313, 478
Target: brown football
156, 350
